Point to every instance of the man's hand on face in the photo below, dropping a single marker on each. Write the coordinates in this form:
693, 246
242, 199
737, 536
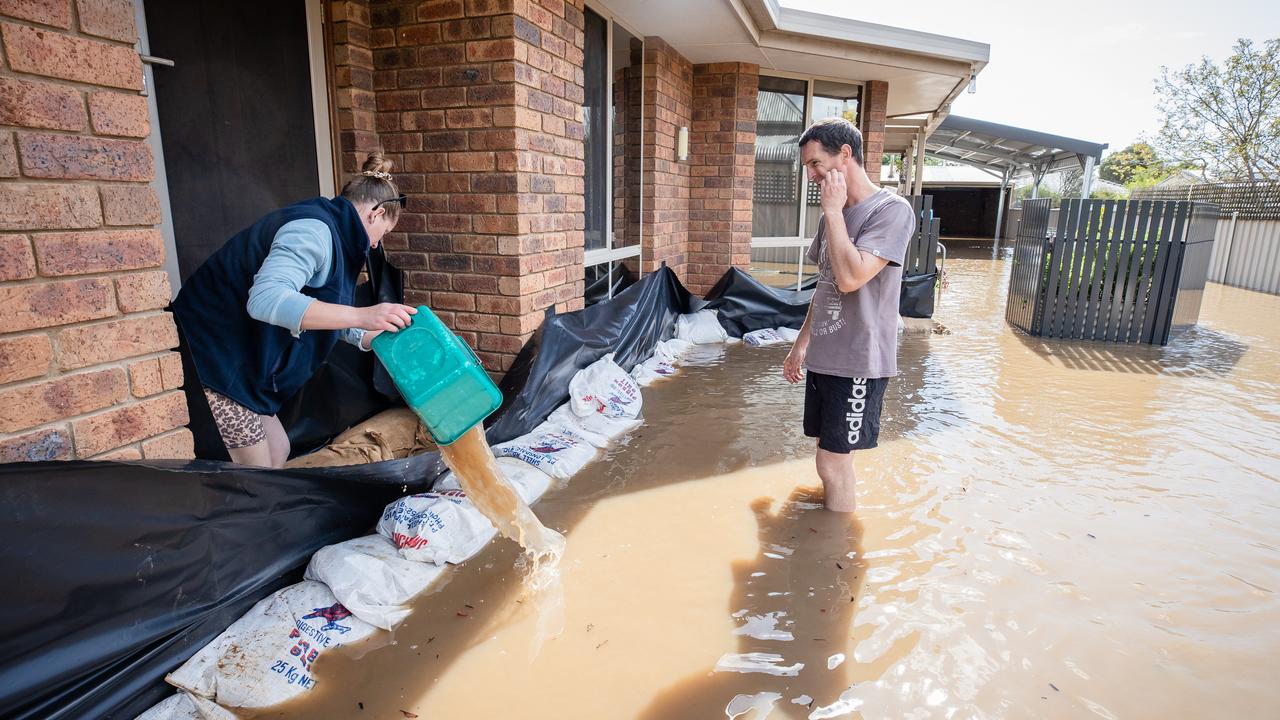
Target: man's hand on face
835, 192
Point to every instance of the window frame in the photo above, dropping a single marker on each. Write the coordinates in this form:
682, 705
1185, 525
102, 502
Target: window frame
609, 255
799, 240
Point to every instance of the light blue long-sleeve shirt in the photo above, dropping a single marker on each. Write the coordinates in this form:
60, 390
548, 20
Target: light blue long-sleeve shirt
301, 255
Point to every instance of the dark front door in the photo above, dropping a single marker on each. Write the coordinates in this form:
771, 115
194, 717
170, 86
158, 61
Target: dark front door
236, 118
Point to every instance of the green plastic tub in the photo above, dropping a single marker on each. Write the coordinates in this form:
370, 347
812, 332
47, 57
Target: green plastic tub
439, 376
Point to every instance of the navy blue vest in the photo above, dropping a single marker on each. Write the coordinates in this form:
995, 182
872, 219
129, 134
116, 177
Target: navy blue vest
257, 364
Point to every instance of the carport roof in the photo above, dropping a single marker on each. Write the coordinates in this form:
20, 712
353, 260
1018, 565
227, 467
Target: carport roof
998, 148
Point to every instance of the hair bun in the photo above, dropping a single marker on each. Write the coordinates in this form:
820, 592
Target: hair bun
376, 165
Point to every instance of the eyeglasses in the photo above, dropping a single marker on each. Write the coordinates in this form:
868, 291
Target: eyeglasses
403, 201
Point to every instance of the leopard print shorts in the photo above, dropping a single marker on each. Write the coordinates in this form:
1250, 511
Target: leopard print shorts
238, 425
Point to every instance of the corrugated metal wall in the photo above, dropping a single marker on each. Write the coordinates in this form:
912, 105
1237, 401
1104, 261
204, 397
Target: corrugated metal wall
1246, 253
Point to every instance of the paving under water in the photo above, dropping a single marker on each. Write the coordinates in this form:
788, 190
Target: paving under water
1048, 529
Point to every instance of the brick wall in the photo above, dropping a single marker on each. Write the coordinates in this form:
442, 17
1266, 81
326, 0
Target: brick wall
722, 156
86, 368
480, 104
353, 95
874, 102
668, 97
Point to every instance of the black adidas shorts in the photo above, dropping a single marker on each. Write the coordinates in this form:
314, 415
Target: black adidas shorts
843, 413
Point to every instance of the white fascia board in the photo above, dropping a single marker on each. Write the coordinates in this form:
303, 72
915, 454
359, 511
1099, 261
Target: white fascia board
803, 22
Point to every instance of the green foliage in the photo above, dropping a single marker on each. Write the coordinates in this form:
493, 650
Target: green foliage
1137, 160
1224, 119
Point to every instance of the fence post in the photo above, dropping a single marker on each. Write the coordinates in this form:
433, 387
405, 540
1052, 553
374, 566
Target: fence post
1231, 243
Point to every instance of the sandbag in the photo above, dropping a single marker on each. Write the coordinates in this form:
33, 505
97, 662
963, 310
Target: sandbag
185, 706
604, 388
265, 657
700, 328
672, 350
436, 527
370, 578
553, 449
652, 370
390, 435
599, 429
529, 482
763, 338
916, 297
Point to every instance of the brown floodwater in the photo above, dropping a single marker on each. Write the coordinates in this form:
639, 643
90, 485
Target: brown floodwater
1048, 529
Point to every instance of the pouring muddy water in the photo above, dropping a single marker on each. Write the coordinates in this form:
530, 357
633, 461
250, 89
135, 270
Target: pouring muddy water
443, 382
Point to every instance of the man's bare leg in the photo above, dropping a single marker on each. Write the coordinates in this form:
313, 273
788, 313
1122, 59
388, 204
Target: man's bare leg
836, 471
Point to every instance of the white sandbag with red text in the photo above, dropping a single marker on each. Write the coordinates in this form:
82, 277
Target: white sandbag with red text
554, 449
763, 338
652, 370
265, 657
436, 527
604, 388
370, 577
598, 429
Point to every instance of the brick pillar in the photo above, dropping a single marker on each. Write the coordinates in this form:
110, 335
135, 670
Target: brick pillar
479, 104
86, 368
722, 153
353, 97
874, 103
668, 99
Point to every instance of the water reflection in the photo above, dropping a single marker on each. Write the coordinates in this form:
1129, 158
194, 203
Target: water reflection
794, 603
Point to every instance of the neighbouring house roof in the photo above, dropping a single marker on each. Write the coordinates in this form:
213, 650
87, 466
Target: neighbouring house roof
997, 147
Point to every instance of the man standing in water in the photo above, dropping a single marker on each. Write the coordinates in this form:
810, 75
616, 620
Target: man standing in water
849, 341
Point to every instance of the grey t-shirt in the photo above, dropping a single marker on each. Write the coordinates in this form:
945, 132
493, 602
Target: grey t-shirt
856, 334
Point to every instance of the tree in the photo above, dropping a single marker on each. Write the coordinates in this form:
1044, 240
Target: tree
1224, 120
1137, 160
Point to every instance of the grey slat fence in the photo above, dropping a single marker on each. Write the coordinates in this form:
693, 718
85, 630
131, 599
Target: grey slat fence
1129, 271
922, 251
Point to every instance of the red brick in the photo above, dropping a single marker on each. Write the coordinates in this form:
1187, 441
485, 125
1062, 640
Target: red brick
124, 454
68, 156
48, 207
107, 341
439, 10
16, 260
79, 253
39, 446
171, 370
37, 305
130, 205
108, 18
32, 404
177, 445
129, 423
116, 113
23, 357
8, 155
48, 53
41, 105
143, 291
45, 12
145, 379
471, 162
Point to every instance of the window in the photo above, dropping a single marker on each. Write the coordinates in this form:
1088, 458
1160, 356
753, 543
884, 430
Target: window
612, 127
784, 108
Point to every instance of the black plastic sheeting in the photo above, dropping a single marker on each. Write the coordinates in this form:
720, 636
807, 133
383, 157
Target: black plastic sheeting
745, 304
916, 298
121, 571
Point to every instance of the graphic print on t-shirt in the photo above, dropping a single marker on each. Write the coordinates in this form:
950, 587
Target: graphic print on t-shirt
829, 317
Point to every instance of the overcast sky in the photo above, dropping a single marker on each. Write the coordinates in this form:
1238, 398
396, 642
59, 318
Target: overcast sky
1082, 69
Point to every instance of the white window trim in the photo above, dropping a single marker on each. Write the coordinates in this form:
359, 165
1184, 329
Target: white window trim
610, 254
325, 167
800, 239
604, 255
